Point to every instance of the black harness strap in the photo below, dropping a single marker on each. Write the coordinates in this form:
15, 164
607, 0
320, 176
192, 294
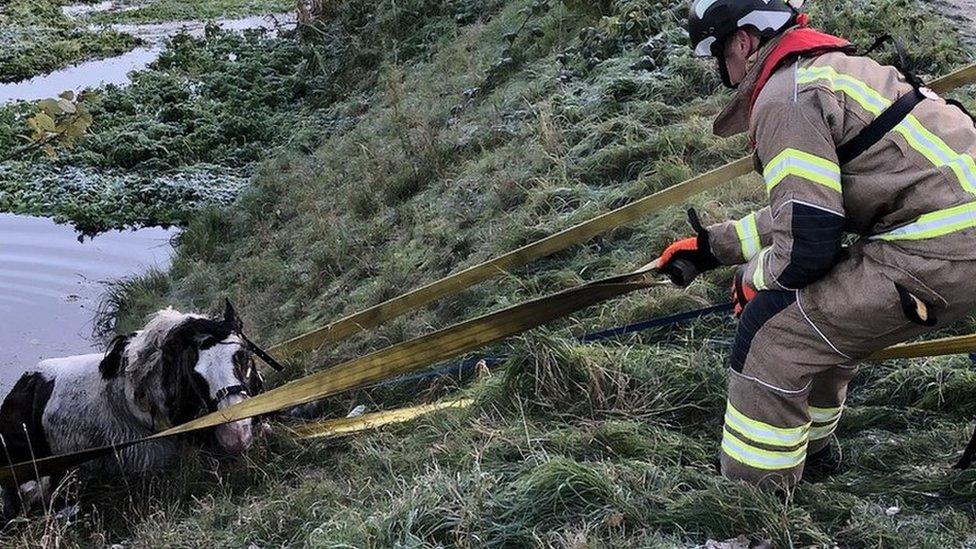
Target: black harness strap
893, 115
230, 390
880, 126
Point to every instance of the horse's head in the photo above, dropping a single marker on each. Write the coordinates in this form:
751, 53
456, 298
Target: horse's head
225, 374
184, 366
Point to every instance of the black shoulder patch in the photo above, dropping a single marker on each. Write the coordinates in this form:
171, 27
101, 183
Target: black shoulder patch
20, 419
113, 363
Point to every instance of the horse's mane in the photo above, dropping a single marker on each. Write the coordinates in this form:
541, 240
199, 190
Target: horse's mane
155, 363
139, 354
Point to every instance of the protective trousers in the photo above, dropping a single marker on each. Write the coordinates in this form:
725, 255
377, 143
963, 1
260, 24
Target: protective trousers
796, 351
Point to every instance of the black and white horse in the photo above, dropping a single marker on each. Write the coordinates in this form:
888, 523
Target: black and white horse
179, 367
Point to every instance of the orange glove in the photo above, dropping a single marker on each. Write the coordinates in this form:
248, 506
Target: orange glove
694, 250
742, 292
680, 249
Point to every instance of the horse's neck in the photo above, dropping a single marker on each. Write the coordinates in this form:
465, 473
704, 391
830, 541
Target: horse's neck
124, 417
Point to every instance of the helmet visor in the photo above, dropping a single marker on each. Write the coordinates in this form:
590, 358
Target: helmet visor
704, 48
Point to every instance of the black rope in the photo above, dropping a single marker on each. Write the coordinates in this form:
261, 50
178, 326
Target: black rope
661, 322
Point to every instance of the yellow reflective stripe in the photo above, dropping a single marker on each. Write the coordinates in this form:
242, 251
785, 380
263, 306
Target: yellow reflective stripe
935, 224
825, 421
758, 277
801, 164
869, 99
818, 432
936, 151
926, 143
821, 415
759, 458
764, 433
748, 233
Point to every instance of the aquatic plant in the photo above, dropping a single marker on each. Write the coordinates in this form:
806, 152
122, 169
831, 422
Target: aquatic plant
184, 134
38, 38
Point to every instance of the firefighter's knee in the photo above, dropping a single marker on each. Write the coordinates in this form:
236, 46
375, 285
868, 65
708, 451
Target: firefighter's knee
766, 340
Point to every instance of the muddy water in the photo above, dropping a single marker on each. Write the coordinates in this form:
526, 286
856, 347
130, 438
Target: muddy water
51, 285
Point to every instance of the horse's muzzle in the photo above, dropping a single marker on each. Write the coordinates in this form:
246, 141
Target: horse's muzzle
234, 438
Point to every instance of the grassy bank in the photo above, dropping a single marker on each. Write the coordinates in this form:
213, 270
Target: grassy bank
465, 141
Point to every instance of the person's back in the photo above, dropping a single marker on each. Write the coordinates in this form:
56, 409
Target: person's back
917, 186
844, 145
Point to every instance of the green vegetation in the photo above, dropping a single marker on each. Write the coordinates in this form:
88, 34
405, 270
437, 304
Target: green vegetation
182, 135
459, 141
38, 38
158, 11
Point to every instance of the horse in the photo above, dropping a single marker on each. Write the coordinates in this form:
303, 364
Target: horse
177, 368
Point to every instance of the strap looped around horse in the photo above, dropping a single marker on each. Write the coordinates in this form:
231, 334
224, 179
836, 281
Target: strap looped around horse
229, 391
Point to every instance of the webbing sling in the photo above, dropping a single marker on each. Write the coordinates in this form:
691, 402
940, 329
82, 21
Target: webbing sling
400, 359
455, 283
331, 428
416, 354
413, 355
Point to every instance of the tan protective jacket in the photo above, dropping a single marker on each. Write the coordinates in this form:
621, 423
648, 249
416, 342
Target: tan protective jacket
916, 188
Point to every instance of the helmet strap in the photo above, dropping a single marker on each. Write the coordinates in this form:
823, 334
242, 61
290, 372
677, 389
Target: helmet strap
723, 70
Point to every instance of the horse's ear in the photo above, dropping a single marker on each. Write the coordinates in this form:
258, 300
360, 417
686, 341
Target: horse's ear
111, 363
230, 315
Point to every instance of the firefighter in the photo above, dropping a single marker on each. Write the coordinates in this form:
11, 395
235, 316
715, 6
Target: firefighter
844, 145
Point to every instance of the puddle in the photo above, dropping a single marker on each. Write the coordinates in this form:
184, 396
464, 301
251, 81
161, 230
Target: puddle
79, 10
51, 285
156, 33
115, 70
91, 74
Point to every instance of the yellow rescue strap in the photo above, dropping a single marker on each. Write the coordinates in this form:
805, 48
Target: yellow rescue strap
331, 428
578, 234
396, 360
453, 284
421, 352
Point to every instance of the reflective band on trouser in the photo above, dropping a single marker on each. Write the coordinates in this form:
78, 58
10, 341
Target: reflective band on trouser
935, 224
765, 433
926, 143
760, 445
801, 164
759, 458
748, 233
824, 421
758, 276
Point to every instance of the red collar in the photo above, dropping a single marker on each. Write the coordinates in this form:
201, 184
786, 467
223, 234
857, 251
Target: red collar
799, 42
